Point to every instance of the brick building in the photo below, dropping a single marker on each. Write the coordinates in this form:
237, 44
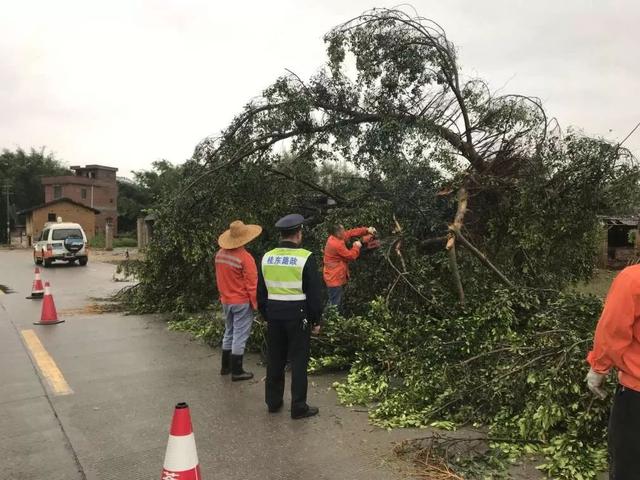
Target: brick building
65, 208
94, 186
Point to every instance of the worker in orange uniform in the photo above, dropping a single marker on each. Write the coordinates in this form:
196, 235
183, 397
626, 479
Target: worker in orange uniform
617, 345
237, 280
337, 257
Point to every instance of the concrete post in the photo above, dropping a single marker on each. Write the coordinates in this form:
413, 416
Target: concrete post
603, 258
108, 237
140, 232
146, 235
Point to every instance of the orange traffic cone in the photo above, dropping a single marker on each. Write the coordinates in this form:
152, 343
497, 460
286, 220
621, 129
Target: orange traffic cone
49, 315
181, 458
37, 290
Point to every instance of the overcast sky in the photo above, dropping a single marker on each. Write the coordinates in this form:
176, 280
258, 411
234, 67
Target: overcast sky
125, 82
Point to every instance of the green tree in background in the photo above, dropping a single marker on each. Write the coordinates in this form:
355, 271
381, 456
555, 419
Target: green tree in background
132, 200
163, 176
22, 170
137, 196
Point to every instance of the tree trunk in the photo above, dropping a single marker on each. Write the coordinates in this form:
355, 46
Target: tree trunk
463, 197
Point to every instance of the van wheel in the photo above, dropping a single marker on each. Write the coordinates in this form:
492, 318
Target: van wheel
83, 261
36, 260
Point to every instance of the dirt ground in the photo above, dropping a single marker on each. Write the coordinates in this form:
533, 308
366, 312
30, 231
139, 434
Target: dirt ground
114, 256
599, 284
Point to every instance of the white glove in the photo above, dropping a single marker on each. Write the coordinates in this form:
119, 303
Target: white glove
594, 383
357, 243
372, 230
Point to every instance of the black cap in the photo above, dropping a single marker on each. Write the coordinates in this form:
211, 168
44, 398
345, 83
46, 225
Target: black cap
290, 222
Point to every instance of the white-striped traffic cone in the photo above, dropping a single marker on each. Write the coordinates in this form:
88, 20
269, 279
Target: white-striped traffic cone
181, 457
37, 289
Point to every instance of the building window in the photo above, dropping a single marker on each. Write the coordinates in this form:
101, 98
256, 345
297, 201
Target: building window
51, 217
57, 191
83, 193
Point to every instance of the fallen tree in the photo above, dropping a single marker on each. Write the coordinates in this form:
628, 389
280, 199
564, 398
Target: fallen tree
487, 212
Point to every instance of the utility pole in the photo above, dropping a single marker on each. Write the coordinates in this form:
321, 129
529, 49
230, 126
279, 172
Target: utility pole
6, 190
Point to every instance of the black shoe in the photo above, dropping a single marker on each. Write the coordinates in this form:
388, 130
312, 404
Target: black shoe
237, 372
275, 408
309, 412
226, 362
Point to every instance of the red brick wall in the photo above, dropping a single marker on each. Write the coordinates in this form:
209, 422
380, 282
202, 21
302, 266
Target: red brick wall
105, 194
105, 199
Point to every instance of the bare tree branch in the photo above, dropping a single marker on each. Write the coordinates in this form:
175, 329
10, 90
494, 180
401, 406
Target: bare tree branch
453, 264
483, 258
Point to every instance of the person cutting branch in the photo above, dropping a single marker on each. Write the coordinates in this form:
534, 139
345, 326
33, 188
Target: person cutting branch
337, 257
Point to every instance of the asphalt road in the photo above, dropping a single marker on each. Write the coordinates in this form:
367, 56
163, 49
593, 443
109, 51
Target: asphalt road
92, 398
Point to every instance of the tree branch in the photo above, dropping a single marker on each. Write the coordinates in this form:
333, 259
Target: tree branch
307, 183
434, 241
483, 258
453, 264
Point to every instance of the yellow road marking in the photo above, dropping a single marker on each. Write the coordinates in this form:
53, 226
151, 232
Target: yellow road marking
46, 364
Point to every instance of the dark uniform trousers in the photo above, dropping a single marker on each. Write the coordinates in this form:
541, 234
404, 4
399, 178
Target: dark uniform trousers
624, 436
287, 339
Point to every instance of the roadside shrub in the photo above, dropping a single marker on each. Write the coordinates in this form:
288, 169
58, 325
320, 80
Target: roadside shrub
121, 242
97, 241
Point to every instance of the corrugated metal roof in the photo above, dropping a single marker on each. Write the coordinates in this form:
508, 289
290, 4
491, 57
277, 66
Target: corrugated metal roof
628, 221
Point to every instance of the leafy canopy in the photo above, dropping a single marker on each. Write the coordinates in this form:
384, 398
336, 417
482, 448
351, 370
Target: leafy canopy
22, 171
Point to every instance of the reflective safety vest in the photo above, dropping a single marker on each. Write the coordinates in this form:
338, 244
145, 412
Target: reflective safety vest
282, 272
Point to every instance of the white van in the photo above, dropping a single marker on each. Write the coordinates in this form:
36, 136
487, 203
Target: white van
61, 241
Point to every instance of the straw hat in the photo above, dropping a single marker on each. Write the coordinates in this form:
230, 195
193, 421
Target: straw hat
238, 235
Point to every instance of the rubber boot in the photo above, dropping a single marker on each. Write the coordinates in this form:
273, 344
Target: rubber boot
237, 372
226, 362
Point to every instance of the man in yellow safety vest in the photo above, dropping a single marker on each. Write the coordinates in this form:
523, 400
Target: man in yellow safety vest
289, 298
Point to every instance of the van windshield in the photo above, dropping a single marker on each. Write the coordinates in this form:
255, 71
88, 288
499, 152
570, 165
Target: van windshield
64, 233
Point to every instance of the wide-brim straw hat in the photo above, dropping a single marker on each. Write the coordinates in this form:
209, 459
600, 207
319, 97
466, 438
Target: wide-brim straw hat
238, 235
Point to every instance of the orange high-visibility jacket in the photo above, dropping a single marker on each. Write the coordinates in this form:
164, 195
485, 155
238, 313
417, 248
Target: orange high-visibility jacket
337, 256
617, 339
236, 277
